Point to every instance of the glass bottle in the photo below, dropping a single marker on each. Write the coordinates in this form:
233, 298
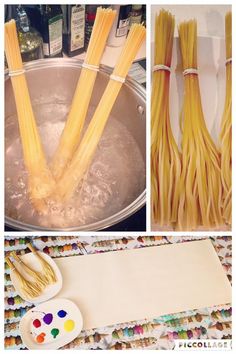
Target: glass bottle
30, 41
51, 30
73, 29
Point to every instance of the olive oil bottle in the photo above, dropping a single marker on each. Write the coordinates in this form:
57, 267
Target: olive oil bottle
51, 30
73, 29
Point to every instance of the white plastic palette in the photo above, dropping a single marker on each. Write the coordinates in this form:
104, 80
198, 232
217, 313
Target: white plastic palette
51, 325
50, 291
211, 67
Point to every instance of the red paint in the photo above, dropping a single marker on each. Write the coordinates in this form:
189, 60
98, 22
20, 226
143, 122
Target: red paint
36, 323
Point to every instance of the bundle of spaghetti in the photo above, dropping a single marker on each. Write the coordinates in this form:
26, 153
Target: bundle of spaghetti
200, 181
29, 288
85, 152
226, 127
165, 156
37, 276
71, 134
48, 273
40, 180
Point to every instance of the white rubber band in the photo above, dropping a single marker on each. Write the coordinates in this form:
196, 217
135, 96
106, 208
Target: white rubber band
90, 67
161, 67
190, 71
229, 60
16, 72
117, 78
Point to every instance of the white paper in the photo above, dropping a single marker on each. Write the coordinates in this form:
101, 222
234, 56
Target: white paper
122, 286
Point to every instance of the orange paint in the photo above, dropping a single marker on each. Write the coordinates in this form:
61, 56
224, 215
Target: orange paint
40, 337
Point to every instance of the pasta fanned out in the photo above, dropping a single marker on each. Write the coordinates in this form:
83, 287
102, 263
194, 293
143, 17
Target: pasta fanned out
165, 156
200, 181
226, 127
190, 189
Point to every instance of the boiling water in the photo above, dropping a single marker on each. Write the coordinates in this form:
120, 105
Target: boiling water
116, 176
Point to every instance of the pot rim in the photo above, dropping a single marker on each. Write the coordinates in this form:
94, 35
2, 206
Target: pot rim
123, 214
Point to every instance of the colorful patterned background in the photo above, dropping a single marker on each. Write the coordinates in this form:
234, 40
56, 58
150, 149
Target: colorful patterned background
156, 333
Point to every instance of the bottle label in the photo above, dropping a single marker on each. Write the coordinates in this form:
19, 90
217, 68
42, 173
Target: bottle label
122, 28
77, 27
123, 21
55, 34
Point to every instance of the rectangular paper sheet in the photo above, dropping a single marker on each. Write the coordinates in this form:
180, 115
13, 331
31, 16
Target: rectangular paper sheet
122, 286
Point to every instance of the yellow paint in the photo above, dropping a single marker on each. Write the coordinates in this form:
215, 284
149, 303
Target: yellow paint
69, 325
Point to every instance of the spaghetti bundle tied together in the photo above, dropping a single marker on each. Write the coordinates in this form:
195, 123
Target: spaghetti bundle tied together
226, 127
40, 180
70, 137
200, 181
84, 154
72, 157
165, 156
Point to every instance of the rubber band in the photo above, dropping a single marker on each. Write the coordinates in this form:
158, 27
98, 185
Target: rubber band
90, 67
190, 71
16, 72
161, 67
229, 60
117, 78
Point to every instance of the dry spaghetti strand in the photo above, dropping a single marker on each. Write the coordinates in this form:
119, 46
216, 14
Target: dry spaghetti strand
226, 127
165, 156
71, 134
85, 152
200, 182
40, 181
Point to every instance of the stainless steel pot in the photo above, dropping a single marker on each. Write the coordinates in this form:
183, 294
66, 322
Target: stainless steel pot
52, 78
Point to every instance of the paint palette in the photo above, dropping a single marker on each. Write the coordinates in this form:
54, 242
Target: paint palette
51, 325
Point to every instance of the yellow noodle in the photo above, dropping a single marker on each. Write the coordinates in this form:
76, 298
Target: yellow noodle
40, 181
71, 134
29, 289
200, 182
226, 127
47, 271
37, 276
165, 157
85, 152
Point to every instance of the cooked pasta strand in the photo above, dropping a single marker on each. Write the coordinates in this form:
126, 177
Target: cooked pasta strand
71, 134
226, 127
40, 180
48, 273
165, 156
200, 182
30, 289
85, 152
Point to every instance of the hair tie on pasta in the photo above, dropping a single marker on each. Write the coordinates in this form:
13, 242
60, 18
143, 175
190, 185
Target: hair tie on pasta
229, 60
190, 71
117, 78
90, 67
161, 67
16, 72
